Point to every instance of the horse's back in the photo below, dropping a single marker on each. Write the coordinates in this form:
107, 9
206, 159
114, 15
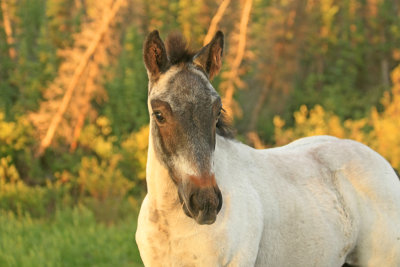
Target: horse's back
361, 181
371, 176
360, 164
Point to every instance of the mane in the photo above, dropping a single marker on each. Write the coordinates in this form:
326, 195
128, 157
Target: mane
224, 127
177, 49
397, 173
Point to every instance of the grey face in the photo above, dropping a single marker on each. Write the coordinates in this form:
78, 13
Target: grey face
185, 114
185, 110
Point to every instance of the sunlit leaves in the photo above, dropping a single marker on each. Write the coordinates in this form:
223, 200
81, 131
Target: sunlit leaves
380, 130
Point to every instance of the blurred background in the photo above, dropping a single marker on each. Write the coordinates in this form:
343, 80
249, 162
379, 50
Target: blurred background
73, 114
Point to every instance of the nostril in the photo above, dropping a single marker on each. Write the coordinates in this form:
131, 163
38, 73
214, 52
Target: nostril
194, 202
186, 201
203, 200
219, 194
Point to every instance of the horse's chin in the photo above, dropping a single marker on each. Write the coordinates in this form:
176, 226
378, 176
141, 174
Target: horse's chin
202, 218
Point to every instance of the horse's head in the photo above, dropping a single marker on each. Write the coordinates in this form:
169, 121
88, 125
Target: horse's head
185, 115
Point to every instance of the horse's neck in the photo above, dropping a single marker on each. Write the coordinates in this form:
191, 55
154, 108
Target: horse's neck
161, 190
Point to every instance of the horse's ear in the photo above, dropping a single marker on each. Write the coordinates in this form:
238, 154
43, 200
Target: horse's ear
155, 55
210, 56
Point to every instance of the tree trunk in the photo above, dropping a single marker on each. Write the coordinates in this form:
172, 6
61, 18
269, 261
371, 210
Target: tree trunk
385, 72
46, 141
85, 107
215, 20
232, 76
8, 29
257, 108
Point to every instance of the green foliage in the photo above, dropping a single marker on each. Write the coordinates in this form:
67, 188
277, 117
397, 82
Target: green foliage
37, 60
134, 151
20, 198
127, 92
339, 55
63, 19
8, 91
378, 130
8, 172
97, 138
14, 135
134, 159
16, 140
102, 180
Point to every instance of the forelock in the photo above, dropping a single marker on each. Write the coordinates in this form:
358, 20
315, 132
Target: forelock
177, 49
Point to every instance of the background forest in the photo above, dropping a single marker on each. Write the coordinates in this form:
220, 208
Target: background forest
73, 114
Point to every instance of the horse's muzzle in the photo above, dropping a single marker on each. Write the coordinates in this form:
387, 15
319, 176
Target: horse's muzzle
202, 199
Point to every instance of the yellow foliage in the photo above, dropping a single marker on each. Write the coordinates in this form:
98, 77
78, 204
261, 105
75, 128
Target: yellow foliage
13, 134
355, 130
8, 172
380, 131
328, 11
105, 176
97, 137
102, 180
14, 193
385, 136
308, 123
136, 146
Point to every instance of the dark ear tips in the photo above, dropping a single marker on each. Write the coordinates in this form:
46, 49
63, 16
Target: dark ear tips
219, 35
219, 40
153, 35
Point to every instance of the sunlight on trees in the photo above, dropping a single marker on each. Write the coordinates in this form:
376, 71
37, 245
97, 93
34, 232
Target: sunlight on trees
380, 130
385, 136
73, 110
73, 97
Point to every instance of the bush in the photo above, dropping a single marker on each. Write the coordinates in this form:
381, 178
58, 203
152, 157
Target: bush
19, 198
380, 130
102, 180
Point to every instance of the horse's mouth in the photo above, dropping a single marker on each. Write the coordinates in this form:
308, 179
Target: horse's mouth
203, 217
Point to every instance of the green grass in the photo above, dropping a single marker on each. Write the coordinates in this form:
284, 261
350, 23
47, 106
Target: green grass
73, 237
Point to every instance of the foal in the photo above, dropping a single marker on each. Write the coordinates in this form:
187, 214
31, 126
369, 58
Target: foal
212, 201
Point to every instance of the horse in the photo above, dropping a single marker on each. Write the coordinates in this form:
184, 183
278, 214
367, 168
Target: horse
214, 201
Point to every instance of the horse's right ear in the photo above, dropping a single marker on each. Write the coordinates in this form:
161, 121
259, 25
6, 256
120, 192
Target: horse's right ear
154, 55
209, 58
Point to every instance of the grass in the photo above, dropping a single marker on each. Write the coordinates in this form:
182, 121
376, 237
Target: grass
73, 237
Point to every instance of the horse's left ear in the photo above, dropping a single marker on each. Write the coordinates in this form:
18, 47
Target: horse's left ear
210, 56
154, 55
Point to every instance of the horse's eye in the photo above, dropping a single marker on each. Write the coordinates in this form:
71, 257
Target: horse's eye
159, 117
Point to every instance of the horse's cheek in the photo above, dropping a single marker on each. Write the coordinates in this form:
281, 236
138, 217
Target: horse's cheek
169, 137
